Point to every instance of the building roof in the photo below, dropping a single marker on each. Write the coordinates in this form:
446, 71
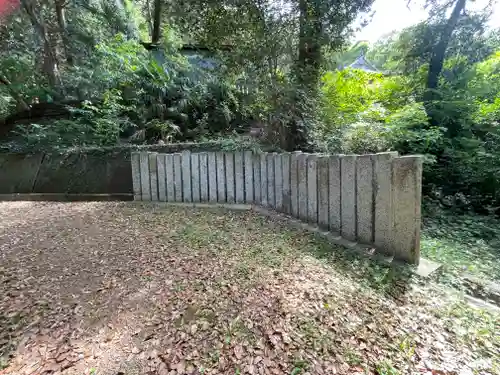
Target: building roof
362, 64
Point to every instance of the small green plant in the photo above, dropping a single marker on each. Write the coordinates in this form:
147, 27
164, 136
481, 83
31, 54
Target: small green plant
352, 357
407, 347
3, 363
214, 356
299, 366
386, 368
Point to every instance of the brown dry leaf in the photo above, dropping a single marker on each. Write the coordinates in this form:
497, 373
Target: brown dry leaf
194, 329
135, 350
181, 367
238, 351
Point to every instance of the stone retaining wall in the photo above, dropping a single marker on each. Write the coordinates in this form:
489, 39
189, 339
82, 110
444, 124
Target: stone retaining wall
370, 199
105, 170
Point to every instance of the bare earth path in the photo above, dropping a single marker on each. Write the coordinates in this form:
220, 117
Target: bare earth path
123, 288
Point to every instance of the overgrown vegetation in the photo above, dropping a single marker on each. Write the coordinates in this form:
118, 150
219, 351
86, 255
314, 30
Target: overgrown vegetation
466, 244
457, 130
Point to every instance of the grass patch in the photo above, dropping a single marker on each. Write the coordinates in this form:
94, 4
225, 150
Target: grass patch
464, 244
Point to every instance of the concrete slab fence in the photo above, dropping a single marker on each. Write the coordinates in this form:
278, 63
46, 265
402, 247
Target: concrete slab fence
369, 199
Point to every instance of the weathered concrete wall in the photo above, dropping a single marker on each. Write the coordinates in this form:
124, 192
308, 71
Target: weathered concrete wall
18, 173
371, 199
106, 170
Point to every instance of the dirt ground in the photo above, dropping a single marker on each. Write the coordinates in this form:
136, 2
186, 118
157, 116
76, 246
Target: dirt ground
126, 288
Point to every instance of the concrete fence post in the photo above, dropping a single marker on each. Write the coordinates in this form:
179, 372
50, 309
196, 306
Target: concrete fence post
334, 194
323, 192
169, 171
383, 202
249, 182
271, 201
136, 175
302, 182
162, 178
178, 189
278, 182
256, 178
286, 192
212, 178
312, 189
186, 176
239, 177
145, 182
294, 184
195, 177
406, 200
203, 177
153, 176
221, 178
263, 180
230, 193
364, 199
348, 196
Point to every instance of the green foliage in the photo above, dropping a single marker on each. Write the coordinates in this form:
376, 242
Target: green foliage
364, 137
364, 113
236, 142
410, 132
348, 94
92, 125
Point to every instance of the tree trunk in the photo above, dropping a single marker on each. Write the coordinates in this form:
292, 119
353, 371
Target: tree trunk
437, 61
309, 60
21, 103
50, 61
63, 30
307, 71
149, 18
156, 23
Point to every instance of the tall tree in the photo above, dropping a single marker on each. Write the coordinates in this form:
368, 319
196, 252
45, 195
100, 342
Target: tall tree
50, 63
156, 22
322, 23
60, 6
438, 54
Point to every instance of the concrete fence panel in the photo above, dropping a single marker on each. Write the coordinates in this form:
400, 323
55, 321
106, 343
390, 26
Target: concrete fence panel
370, 199
239, 179
162, 180
294, 184
312, 189
248, 177
204, 177
178, 177
170, 177
287, 194
348, 197
406, 198
212, 177
334, 193
323, 192
302, 182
